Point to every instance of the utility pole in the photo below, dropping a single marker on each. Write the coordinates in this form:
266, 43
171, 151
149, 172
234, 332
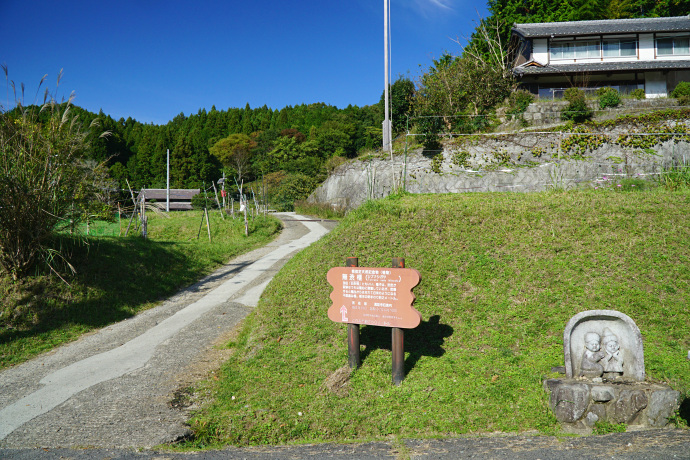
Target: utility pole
167, 183
387, 136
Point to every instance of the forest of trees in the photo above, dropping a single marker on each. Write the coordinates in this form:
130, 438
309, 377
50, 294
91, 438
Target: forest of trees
295, 140
509, 12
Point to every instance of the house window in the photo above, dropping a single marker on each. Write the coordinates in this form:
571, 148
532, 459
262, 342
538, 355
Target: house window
617, 48
575, 50
672, 45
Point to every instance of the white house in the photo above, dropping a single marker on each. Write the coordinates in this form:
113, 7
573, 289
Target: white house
648, 53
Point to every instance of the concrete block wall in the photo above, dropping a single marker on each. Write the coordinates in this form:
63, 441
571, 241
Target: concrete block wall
549, 112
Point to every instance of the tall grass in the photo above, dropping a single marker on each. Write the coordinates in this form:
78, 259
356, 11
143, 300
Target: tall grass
323, 210
676, 177
45, 180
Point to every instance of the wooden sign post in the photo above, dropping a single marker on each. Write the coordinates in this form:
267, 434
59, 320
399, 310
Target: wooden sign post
376, 297
397, 339
352, 329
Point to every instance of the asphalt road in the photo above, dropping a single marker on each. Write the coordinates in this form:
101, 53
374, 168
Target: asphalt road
648, 445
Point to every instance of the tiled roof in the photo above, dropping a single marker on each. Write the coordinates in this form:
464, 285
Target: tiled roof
609, 26
601, 67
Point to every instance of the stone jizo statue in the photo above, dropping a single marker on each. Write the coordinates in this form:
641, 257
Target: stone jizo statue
620, 341
590, 366
605, 378
613, 361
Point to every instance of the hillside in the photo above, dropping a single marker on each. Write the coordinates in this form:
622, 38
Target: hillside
501, 275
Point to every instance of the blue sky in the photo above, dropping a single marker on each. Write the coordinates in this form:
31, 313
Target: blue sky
153, 59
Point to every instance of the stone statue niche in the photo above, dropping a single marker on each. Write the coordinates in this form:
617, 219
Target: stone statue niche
605, 377
603, 344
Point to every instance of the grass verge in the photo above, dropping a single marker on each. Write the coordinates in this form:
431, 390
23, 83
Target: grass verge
322, 210
502, 273
116, 278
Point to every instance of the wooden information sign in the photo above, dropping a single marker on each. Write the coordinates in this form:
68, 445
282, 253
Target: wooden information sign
374, 296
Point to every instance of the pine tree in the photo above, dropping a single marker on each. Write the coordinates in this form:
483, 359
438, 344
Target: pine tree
247, 120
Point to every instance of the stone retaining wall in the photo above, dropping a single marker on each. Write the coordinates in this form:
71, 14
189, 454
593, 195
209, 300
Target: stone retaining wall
521, 162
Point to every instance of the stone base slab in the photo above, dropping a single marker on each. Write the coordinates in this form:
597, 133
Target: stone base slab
578, 404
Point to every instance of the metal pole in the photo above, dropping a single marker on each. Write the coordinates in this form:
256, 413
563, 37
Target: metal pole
167, 183
352, 329
397, 337
407, 136
386, 122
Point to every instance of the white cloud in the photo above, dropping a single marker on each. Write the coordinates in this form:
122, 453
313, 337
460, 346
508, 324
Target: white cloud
431, 11
427, 8
444, 4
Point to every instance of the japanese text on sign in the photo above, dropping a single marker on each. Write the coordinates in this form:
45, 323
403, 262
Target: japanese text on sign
374, 296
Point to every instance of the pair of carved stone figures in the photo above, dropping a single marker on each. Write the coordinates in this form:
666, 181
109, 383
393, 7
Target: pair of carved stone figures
607, 363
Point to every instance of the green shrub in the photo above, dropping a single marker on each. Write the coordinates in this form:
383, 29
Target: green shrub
333, 162
601, 427
608, 97
682, 92
283, 189
675, 177
573, 94
638, 94
578, 110
199, 201
633, 184
518, 102
323, 210
429, 128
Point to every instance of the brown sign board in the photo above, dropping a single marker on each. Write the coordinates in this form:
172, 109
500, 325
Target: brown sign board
374, 296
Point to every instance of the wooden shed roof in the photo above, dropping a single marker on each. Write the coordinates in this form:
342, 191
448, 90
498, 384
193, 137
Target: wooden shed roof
176, 194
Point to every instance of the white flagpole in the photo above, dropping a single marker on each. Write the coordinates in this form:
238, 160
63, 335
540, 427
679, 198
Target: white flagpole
387, 147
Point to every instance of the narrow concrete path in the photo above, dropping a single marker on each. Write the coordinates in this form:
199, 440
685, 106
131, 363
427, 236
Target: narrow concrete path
113, 388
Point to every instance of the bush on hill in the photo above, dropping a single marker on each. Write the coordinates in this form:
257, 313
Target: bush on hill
46, 182
682, 93
577, 109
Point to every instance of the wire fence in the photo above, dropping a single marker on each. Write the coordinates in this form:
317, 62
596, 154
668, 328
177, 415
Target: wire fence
567, 145
534, 161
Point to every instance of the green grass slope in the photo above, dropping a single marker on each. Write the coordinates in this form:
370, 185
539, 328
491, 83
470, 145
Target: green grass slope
501, 276
116, 278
